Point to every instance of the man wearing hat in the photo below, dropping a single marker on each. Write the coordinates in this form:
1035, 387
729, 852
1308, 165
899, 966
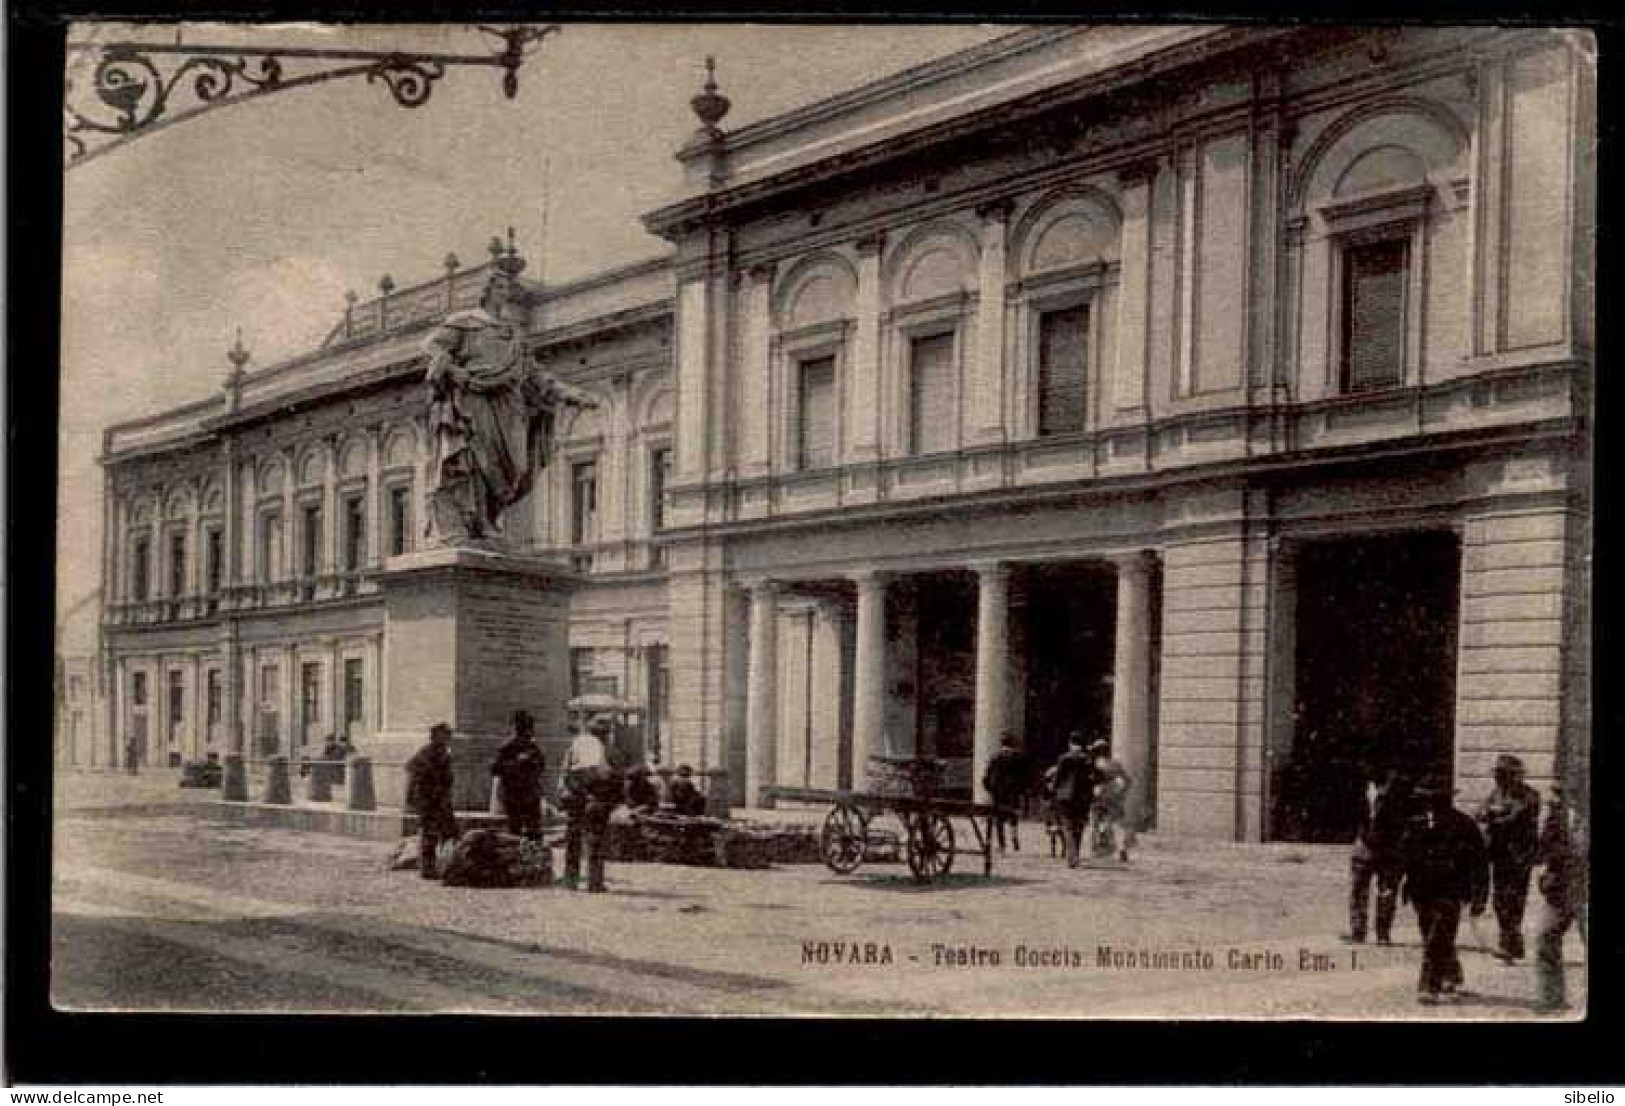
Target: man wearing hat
1074, 793
518, 765
1511, 821
428, 794
592, 790
686, 798
1445, 868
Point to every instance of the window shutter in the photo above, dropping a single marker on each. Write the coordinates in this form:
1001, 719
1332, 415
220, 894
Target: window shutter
1063, 370
931, 394
1374, 315
815, 431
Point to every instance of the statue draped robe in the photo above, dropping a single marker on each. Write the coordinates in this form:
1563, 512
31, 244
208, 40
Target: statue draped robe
489, 416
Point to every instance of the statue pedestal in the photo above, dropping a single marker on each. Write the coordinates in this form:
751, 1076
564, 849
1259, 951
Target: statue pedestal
470, 636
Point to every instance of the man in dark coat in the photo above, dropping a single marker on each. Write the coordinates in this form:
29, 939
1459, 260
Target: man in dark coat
686, 798
1074, 794
1511, 820
1006, 780
428, 794
1445, 868
1376, 856
1564, 851
519, 764
642, 795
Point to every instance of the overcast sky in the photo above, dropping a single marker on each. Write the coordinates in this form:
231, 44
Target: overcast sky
261, 215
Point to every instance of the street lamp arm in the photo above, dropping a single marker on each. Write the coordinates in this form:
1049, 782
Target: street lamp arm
137, 89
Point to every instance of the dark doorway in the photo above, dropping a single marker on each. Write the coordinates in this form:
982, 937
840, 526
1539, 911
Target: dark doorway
1070, 628
1375, 671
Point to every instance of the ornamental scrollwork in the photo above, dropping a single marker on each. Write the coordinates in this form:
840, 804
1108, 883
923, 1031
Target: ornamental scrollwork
135, 89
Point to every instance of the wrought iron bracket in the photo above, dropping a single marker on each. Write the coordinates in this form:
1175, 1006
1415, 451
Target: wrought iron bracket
134, 89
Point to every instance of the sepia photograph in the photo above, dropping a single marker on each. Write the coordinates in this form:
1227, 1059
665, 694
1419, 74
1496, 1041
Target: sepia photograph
828, 521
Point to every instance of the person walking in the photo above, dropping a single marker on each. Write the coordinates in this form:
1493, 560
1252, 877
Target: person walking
1511, 820
518, 766
592, 790
1445, 867
1074, 794
1563, 851
428, 793
1006, 781
1110, 806
1376, 857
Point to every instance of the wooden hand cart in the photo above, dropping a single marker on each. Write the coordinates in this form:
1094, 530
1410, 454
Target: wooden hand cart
928, 830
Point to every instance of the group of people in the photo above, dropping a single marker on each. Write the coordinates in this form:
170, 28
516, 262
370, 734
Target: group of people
591, 787
1413, 843
1086, 791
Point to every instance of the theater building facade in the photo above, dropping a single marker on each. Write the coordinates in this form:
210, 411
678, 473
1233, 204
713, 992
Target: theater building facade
1222, 392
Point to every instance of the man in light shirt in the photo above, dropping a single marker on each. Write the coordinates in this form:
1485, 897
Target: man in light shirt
591, 791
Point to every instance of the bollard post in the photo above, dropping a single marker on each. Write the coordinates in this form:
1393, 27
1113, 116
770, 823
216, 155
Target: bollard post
320, 788
278, 786
362, 796
234, 781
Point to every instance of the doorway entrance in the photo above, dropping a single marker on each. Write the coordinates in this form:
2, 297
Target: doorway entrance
1070, 631
1375, 675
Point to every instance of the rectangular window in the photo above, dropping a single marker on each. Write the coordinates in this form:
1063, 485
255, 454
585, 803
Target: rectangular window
815, 414
214, 560
1374, 277
354, 694
931, 394
138, 689
270, 708
213, 697
310, 560
400, 520
177, 563
583, 502
659, 475
177, 703
310, 700
270, 546
355, 533
140, 569
580, 671
1063, 367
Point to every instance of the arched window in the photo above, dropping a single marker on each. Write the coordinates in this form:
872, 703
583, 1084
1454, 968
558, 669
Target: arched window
1377, 244
813, 313
930, 277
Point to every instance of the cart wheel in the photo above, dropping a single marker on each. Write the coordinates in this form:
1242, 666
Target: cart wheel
845, 838
930, 846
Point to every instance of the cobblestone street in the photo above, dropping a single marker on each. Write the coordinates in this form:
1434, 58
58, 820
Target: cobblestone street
158, 907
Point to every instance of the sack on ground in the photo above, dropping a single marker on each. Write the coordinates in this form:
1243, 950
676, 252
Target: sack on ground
488, 858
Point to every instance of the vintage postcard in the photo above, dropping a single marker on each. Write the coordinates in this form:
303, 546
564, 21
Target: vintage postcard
1064, 521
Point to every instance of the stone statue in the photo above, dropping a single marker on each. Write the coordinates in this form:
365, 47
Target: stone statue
491, 413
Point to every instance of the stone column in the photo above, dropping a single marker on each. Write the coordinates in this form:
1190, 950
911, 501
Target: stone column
290, 541
373, 674
869, 674
200, 715
1131, 680
862, 440
761, 703
194, 542
375, 501
755, 388
291, 701
992, 665
232, 505
985, 424
329, 552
